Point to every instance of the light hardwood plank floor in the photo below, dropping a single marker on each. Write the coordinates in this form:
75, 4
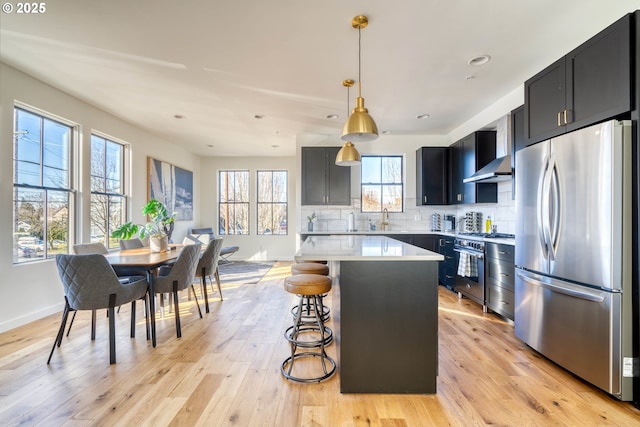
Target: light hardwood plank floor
225, 371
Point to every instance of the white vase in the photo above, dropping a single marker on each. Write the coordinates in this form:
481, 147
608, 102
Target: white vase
159, 243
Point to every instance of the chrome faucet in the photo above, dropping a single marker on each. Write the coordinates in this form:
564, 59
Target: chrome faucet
383, 223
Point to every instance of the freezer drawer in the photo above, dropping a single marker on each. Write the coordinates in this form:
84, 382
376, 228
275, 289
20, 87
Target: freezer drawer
579, 328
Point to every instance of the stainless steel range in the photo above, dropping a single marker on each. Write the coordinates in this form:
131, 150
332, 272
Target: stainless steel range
470, 278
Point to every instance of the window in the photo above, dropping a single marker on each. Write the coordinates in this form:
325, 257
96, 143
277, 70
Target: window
234, 202
381, 183
42, 189
272, 202
107, 189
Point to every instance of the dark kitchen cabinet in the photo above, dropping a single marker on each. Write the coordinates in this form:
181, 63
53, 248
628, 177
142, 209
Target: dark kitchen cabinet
447, 268
432, 176
323, 182
426, 241
590, 84
466, 157
499, 278
518, 142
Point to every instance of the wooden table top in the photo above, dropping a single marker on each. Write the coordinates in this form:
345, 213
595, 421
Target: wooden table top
143, 257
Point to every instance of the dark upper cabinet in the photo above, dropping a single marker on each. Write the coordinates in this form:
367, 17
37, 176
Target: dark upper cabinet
590, 84
432, 175
323, 182
518, 141
466, 157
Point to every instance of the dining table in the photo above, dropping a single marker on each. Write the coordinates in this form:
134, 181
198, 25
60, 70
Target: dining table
145, 259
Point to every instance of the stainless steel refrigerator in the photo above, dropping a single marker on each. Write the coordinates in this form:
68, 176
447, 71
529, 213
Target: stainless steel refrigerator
573, 253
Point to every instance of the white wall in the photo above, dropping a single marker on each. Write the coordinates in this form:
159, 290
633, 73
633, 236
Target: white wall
252, 246
33, 290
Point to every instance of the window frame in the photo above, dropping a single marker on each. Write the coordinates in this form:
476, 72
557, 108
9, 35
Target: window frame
123, 196
382, 184
272, 203
46, 245
234, 203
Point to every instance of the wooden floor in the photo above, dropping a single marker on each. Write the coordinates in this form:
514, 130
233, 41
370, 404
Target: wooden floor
225, 371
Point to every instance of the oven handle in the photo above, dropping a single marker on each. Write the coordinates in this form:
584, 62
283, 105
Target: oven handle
475, 254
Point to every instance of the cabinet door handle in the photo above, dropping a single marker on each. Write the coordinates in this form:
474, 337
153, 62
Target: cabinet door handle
559, 114
565, 112
425, 199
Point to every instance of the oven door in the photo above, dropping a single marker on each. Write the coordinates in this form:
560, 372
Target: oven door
470, 275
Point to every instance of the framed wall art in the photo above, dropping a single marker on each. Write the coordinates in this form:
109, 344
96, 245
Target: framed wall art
171, 185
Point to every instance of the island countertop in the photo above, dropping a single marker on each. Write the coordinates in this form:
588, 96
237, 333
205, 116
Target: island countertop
361, 248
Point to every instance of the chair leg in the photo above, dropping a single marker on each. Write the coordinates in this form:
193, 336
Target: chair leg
175, 302
196, 299
93, 325
71, 323
112, 329
146, 315
204, 289
217, 276
133, 318
63, 324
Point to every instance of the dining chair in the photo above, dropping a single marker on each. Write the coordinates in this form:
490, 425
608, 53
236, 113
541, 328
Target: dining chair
133, 243
177, 277
225, 252
90, 283
208, 265
124, 274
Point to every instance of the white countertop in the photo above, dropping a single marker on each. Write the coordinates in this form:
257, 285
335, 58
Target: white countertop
355, 247
503, 241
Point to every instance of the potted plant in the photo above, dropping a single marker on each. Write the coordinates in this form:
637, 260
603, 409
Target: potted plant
310, 218
159, 229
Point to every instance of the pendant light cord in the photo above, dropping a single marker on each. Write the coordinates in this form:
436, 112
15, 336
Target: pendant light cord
359, 60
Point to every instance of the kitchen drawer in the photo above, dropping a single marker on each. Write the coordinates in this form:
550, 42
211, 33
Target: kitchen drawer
470, 289
500, 272
500, 300
498, 251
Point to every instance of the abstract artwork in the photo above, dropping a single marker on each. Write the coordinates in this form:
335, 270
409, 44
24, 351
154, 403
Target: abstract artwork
171, 185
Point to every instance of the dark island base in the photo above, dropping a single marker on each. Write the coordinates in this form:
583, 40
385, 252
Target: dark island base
388, 326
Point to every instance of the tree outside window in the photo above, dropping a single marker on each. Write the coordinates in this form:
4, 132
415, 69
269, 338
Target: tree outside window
41, 186
272, 202
381, 183
233, 202
107, 189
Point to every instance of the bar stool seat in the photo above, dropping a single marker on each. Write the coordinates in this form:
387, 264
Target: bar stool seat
310, 268
307, 335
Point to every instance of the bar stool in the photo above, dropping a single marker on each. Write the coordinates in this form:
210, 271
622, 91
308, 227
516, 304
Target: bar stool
317, 334
312, 267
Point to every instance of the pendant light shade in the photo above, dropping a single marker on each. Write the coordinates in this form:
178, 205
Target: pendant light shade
360, 126
348, 155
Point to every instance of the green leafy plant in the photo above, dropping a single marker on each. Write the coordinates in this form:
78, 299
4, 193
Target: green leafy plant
161, 223
311, 217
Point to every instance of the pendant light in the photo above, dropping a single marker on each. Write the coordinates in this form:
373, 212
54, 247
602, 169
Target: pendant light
348, 155
360, 126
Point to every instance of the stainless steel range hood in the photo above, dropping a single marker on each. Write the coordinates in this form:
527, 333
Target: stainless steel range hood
495, 171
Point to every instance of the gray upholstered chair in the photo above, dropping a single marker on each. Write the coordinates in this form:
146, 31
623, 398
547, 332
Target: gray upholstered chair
225, 252
207, 266
178, 277
90, 283
133, 243
90, 248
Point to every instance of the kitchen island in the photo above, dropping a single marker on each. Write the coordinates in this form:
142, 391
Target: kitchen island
387, 323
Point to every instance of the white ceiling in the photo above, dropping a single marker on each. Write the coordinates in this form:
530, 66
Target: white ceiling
220, 63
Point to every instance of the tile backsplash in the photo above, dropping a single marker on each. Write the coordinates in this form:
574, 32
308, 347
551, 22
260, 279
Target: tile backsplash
414, 218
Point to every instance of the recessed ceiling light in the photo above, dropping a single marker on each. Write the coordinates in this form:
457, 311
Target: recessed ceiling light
258, 116
470, 77
387, 132
332, 116
275, 146
210, 145
423, 116
178, 116
479, 60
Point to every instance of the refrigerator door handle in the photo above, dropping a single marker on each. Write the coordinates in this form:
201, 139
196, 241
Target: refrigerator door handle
559, 289
556, 209
545, 208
